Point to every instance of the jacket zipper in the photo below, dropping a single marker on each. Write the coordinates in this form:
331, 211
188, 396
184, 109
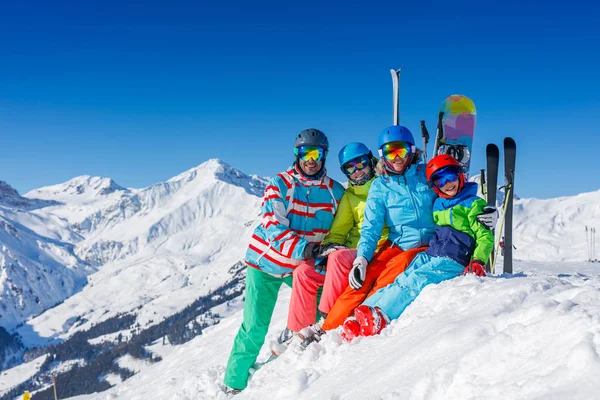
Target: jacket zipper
412, 199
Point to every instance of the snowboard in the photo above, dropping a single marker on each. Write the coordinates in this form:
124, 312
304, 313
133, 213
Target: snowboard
456, 127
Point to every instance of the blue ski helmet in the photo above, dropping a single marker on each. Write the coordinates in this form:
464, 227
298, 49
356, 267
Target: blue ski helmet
352, 151
312, 137
395, 133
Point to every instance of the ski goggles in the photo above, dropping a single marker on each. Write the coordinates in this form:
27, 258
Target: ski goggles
444, 175
356, 164
396, 149
307, 152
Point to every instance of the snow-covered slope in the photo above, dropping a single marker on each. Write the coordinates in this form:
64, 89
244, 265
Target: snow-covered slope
535, 335
160, 248
37, 270
554, 229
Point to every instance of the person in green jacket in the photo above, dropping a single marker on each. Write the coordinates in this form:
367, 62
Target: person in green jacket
331, 273
461, 245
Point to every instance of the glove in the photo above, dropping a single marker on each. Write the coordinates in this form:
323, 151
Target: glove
476, 267
489, 218
327, 249
310, 251
356, 278
314, 250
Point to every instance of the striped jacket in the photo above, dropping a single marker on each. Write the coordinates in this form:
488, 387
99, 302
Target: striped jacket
295, 211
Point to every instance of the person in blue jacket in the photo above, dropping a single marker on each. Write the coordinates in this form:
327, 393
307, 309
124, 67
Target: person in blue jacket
401, 199
297, 211
462, 244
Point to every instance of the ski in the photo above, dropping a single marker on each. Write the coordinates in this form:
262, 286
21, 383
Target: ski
456, 127
510, 154
425, 136
396, 95
492, 155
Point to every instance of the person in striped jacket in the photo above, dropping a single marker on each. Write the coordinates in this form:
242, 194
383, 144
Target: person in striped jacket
297, 212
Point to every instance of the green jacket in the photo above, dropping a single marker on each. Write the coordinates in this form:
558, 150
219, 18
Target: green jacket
348, 219
460, 212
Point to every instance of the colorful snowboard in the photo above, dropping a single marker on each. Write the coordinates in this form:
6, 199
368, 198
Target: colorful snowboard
457, 127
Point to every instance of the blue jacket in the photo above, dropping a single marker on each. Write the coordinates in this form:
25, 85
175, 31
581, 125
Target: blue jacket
404, 203
295, 211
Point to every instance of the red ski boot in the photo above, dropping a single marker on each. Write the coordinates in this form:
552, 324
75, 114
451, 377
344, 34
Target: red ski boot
351, 329
371, 320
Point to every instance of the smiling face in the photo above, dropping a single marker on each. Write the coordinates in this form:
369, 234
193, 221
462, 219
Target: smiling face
450, 188
399, 164
310, 167
359, 174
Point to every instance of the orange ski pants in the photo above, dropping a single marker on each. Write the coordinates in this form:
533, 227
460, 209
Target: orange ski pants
388, 263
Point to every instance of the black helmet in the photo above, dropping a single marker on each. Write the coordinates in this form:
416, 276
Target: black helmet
312, 137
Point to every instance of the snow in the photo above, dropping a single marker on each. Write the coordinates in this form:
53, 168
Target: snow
153, 251
535, 334
19, 374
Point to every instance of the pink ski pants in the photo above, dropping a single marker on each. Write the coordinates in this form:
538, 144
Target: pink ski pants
306, 283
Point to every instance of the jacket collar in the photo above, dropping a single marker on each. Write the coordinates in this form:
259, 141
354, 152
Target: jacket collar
295, 172
362, 189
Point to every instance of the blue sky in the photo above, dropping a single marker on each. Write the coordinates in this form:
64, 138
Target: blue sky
140, 92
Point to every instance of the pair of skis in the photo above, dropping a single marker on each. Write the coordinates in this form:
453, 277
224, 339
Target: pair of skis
454, 136
505, 227
591, 243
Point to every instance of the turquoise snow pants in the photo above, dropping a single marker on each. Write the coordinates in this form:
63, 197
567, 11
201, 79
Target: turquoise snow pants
260, 298
423, 270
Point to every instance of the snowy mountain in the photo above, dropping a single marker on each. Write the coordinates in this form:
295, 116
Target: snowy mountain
155, 250
159, 248
38, 267
9, 197
79, 197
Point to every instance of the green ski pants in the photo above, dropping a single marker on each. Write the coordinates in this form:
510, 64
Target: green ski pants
260, 298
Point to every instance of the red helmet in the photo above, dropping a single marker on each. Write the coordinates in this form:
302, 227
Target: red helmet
443, 161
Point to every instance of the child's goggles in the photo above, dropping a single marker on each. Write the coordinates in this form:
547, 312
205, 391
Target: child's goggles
307, 152
396, 149
445, 175
356, 164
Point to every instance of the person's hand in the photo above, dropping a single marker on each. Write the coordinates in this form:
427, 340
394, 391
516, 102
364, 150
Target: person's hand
356, 277
475, 267
310, 251
489, 218
326, 249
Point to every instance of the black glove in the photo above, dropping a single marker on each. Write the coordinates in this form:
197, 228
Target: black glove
327, 249
314, 250
310, 251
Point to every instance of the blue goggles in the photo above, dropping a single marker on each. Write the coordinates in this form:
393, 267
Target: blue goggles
444, 175
356, 164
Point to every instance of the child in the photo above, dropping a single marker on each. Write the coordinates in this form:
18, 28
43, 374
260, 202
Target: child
460, 241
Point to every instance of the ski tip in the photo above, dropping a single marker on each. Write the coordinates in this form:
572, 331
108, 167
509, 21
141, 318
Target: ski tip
491, 147
509, 141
